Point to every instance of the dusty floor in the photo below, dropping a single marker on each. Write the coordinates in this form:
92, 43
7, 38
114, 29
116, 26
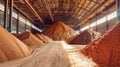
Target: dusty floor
55, 54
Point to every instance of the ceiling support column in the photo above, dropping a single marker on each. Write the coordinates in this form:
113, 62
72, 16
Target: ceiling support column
5, 14
10, 15
118, 9
17, 26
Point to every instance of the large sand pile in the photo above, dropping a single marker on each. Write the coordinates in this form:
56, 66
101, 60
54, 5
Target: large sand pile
29, 39
105, 51
85, 37
59, 31
11, 47
43, 38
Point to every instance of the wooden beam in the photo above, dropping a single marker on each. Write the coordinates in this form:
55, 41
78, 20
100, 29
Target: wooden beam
79, 14
23, 13
33, 10
19, 1
71, 6
48, 9
97, 9
76, 12
94, 1
76, 5
64, 4
91, 8
58, 13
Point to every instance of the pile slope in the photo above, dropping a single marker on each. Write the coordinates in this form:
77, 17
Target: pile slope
29, 39
11, 47
16, 35
43, 38
59, 31
105, 51
85, 37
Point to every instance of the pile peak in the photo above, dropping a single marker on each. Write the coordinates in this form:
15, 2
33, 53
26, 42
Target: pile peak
29, 39
59, 31
60, 23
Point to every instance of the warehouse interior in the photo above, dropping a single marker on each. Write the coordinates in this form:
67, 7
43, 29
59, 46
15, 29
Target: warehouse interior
59, 33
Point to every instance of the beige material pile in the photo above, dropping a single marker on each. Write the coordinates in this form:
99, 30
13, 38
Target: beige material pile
43, 38
59, 31
11, 47
52, 55
29, 39
105, 51
56, 54
85, 37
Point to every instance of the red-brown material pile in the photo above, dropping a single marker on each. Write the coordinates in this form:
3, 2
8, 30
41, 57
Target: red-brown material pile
43, 38
85, 37
29, 39
11, 47
59, 31
105, 51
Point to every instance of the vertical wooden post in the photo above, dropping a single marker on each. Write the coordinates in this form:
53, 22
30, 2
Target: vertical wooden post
96, 23
10, 16
5, 14
17, 27
107, 25
118, 9
25, 27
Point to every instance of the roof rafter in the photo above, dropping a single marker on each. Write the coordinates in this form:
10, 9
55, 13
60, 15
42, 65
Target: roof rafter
33, 10
96, 10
